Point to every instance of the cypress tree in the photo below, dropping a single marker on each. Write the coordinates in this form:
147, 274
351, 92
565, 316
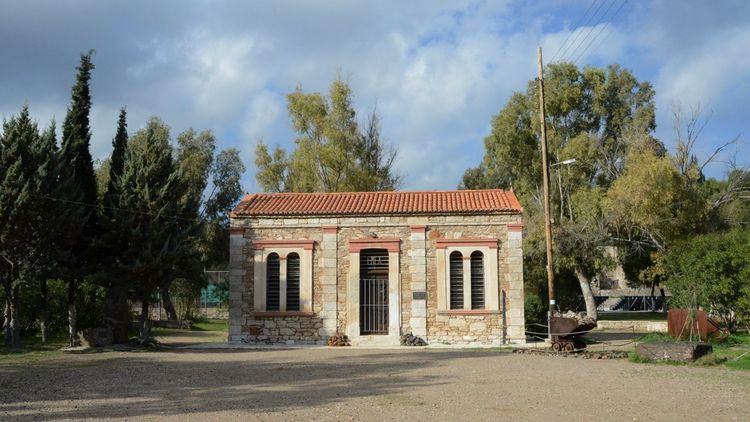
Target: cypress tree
116, 312
78, 166
47, 209
153, 238
17, 170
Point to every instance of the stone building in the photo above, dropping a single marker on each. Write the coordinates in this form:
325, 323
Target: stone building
445, 265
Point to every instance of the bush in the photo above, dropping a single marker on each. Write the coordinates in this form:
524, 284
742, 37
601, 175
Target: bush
712, 272
535, 311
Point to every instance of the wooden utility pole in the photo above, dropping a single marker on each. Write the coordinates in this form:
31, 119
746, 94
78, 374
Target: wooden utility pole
545, 172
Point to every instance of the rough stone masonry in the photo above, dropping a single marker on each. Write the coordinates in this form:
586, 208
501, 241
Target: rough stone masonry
452, 267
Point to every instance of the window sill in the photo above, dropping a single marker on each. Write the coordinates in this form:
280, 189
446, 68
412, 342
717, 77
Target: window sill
268, 314
464, 312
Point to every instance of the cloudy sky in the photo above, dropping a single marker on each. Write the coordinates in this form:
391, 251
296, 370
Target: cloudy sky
436, 71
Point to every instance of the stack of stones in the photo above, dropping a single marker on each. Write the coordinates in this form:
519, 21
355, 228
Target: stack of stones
338, 340
412, 340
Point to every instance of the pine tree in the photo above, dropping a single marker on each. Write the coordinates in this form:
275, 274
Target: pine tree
17, 171
79, 167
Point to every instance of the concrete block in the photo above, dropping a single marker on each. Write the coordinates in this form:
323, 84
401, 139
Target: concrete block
673, 351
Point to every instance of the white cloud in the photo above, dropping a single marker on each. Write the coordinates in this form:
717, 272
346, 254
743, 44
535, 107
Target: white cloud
437, 73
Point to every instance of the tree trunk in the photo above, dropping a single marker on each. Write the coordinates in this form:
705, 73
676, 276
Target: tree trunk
15, 321
11, 323
7, 333
72, 318
663, 299
588, 295
43, 311
116, 313
145, 329
166, 300
653, 296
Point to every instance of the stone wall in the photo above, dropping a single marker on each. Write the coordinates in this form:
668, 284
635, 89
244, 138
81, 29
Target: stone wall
418, 272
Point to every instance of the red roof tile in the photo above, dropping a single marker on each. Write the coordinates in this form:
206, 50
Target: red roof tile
492, 201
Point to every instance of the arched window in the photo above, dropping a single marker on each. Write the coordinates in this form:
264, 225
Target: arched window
292, 282
273, 287
477, 280
456, 280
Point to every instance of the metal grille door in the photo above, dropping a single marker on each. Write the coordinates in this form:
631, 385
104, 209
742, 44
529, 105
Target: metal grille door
373, 292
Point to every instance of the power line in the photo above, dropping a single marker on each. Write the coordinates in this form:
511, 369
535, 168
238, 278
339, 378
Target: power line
578, 24
593, 27
578, 34
600, 31
148, 214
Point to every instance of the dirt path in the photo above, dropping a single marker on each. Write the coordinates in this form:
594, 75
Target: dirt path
355, 384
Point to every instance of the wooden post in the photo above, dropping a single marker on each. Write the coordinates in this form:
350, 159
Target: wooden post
545, 172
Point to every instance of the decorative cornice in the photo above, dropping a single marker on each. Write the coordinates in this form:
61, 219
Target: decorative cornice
270, 244
391, 244
515, 227
467, 242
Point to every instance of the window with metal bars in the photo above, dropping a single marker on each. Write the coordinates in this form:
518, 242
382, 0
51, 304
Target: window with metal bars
456, 280
273, 286
477, 280
292, 282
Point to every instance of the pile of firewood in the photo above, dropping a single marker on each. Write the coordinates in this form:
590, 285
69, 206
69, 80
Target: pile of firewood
338, 340
412, 340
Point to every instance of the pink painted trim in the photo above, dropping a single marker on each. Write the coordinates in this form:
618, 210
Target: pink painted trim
268, 244
391, 244
466, 241
515, 227
236, 230
462, 312
269, 314
330, 230
418, 228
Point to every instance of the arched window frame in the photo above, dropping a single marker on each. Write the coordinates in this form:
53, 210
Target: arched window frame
284, 249
490, 257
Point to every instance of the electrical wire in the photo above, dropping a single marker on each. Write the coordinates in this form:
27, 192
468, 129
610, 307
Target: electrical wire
97, 206
576, 26
579, 33
600, 31
592, 29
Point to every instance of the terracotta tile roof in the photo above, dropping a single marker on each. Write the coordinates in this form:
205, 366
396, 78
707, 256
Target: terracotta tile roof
492, 201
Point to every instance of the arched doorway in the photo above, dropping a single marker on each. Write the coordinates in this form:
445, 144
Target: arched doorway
373, 292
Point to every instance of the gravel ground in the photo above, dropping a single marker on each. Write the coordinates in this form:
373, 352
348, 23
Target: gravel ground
357, 384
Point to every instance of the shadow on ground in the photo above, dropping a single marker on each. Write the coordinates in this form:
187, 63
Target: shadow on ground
171, 382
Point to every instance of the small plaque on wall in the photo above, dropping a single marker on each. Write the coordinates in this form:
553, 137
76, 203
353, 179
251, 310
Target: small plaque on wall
419, 295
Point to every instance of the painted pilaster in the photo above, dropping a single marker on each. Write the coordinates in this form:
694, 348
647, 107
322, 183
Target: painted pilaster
418, 320
329, 264
236, 283
515, 283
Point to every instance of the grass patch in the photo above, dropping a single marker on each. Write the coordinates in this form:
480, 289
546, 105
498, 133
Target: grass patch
656, 337
632, 316
33, 350
210, 324
733, 352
